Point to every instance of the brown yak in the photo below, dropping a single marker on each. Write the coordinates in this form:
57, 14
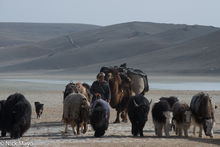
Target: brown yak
83, 90
77, 88
120, 93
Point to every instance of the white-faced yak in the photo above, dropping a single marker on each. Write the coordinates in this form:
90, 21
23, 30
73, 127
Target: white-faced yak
203, 113
162, 117
181, 118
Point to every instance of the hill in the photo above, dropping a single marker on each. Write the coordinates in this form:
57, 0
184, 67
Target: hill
153, 47
19, 33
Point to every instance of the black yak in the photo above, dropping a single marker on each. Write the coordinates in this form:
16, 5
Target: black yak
162, 117
99, 118
171, 100
3, 132
15, 116
138, 108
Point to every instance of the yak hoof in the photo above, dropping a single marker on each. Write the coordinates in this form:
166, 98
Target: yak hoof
84, 131
3, 134
116, 121
125, 120
135, 135
99, 133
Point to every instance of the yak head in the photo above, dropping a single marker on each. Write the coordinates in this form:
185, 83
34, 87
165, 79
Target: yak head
169, 116
70, 88
188, 114
142, 110
171, 100
208, 125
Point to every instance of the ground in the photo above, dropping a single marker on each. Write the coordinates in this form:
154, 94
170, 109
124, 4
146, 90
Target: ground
49, 130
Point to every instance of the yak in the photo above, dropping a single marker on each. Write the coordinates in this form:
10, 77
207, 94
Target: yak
162, 117
3, 132
181, 118
76, 112
138, 109
15, 115
99, 119
202, 113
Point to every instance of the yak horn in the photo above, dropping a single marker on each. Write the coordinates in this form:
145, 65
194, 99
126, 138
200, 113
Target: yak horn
135, 104
150, 101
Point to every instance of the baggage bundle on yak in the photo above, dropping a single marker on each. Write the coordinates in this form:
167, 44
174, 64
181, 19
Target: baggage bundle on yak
139, 81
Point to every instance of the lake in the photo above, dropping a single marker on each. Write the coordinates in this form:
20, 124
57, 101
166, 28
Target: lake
208, 86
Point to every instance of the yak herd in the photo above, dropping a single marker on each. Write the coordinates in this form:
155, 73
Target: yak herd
128, 88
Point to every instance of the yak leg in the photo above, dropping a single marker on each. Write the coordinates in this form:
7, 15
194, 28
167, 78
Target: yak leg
194, 130
85, 127
159, 130
73, 128
66, 127
78, 127
155, 128
177, 130
117, 120
166, 130
124, 116
141, 126
3, 133
200, 130
185, 131
180, 131
134, 129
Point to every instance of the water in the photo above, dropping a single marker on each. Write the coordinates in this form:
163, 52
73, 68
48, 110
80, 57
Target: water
208, 86
215, 86
43, 81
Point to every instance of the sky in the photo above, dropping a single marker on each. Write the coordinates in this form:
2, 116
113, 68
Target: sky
107, 12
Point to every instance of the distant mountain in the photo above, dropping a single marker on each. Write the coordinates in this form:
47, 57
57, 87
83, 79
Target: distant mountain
153, 47
19, 33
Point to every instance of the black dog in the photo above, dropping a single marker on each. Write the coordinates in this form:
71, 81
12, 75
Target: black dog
39, 108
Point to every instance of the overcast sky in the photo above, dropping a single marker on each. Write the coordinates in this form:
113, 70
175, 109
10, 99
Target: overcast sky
106, 12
